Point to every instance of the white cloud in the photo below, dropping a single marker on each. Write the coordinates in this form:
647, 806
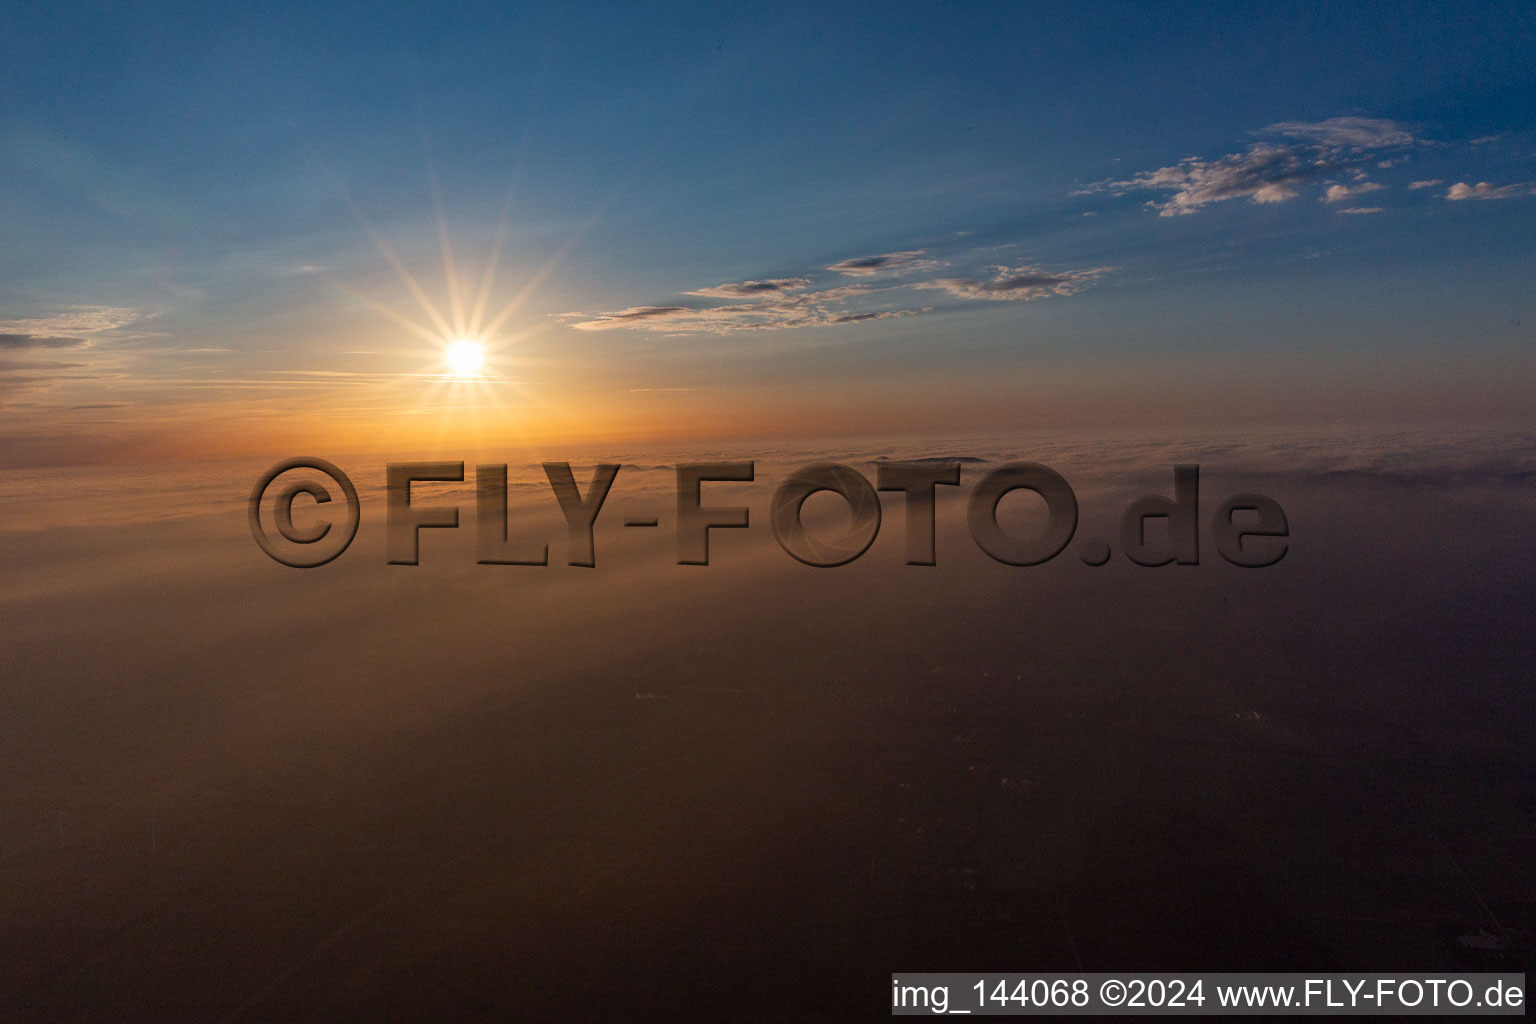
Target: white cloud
1336, 193
1265, 174
1362, 209
1427, 183
1483, 190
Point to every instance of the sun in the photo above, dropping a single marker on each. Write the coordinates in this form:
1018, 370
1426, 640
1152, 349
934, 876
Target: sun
465, 357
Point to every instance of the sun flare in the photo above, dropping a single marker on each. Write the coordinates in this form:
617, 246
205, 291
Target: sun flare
465, 357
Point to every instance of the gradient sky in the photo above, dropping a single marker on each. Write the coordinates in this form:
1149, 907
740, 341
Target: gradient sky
753, 221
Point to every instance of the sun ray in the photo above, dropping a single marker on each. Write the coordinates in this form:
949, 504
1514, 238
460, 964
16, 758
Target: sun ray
450, 267
507, 311
559, 255
394, 262
410, 282
425, 333
493, 260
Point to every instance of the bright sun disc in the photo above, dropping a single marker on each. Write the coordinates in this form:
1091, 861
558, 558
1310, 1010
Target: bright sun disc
465, 357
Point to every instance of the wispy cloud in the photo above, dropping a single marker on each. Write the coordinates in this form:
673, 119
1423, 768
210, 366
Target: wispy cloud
754, 289
858, 318
869, 266
772, 304
1483, 190
1426, 183
787, 303
73, 329
1024, 282
633, 316
1358, 133
18, 341
1300, 155
1362, 209
731, 319
23, 372
72, 321
15, 365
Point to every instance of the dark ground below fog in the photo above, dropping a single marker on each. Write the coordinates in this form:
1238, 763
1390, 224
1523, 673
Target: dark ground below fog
753, 791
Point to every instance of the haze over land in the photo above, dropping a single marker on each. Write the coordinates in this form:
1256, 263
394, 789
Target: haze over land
234, 787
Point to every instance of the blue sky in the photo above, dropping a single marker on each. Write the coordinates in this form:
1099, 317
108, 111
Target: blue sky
188, 194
